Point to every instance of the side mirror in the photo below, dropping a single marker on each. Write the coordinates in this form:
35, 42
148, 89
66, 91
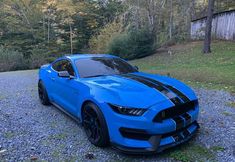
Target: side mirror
64, 74
136, 67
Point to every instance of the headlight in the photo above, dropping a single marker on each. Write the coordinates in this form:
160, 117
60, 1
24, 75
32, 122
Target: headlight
127, 110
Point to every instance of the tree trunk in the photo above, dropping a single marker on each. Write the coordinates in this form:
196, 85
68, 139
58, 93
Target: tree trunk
71, 38
207, 41
138, 15
171, 20
192, 9
48, 30
44, 27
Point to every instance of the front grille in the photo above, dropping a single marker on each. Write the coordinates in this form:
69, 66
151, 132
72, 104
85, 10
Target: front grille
176, 111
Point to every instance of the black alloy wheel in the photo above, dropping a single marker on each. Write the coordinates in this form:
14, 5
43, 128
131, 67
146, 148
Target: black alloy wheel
95, 125
42, 93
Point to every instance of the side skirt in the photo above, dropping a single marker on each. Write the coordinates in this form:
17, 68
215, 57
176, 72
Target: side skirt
78, 120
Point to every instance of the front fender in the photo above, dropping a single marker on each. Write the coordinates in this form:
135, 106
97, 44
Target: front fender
98, 95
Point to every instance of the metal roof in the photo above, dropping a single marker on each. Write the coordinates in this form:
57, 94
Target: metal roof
215, 14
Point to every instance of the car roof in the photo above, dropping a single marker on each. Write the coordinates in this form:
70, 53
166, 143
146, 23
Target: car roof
79, 56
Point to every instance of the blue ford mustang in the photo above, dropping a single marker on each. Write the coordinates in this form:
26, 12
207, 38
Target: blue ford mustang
135, 112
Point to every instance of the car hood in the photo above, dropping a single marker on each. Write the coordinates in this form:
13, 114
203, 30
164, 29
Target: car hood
124, 91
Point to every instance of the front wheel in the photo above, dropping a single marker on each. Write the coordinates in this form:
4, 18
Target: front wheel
95, 125
42, 93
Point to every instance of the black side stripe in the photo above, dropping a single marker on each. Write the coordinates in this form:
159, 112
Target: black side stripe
177, 92
158, 87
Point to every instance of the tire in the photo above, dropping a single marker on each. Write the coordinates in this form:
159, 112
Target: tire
42, 93
95, 125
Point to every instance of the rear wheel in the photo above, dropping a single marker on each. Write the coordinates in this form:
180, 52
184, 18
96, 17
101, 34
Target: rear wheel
95, 125
42, 93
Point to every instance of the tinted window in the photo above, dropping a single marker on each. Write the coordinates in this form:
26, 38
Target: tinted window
96, 66
63, 65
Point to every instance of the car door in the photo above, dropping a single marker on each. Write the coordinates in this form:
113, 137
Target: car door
65, 89
52, 76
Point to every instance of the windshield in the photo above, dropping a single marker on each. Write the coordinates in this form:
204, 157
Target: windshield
99, 66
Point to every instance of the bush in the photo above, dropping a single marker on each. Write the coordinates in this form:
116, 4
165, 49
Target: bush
11, 60
99, 43
133, 44
39, 57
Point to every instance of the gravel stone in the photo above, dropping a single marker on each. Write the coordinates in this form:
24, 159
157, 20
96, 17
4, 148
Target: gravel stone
30, 131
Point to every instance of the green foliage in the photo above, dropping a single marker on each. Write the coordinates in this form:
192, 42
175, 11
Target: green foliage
40, 57
11, 60
42, 30
99, 43
133, 44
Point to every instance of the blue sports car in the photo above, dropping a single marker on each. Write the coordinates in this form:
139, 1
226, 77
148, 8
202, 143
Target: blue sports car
133, 111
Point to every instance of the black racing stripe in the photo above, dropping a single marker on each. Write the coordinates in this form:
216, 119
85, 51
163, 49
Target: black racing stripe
176, 101
179, 122
180, 94
178, 137
160, 88
177, 92
186, 133
187, 118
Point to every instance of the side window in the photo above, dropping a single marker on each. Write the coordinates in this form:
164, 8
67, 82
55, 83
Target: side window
55, 65
69, 68
63, 65
58, 66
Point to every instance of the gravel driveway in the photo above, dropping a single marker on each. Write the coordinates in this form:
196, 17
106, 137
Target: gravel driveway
31, 131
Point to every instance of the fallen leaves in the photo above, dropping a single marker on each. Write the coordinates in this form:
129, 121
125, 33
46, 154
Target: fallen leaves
33, 158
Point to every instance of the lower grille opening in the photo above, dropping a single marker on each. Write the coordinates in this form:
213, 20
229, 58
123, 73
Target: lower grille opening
134, 133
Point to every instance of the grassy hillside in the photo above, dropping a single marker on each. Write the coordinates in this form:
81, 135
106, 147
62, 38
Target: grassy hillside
186, 62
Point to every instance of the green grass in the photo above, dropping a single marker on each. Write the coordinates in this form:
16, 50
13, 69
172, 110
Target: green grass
190, 152
187, 63
59, 136
8, 135
226, 113
2, 97
231, 104
217, 148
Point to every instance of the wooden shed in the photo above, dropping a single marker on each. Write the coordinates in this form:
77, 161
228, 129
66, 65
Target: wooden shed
223, 26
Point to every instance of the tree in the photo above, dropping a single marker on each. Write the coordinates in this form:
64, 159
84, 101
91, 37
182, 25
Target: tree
207, 41
68, 10
20, 25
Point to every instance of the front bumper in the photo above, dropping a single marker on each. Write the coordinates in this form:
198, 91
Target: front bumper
142, 134
177, 137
